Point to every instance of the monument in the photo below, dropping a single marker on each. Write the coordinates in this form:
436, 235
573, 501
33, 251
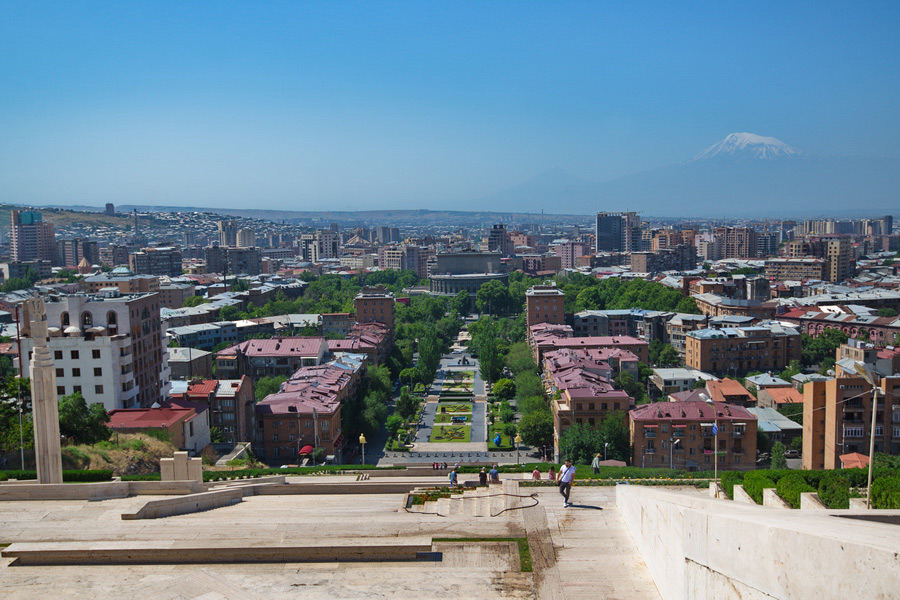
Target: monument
45, 407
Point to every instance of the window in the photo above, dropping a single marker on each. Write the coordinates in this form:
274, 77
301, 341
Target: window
76, 389
277, 423
76, 372
98, 372
74, 354
60, 372
98, 389
60, 390
325, 425
308, 424
275, 451
191, 429
95, 353
293, 437
274, 437
57, 355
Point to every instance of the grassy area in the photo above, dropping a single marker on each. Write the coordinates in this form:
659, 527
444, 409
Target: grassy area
450, 434
445, 418
460, 407
122, 453
506, 442
525, 564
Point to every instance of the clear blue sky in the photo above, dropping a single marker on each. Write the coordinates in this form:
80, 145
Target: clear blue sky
393, 104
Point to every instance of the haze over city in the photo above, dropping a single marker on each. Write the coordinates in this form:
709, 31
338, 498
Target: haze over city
524, 106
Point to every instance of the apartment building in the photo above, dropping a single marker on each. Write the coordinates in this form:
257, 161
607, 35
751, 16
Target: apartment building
375, 304
682, 435
837, 419
30, 237
544, 304
546, 337
230, 402
122, 279
156, 261
738, 350
279, 356
111, 349
618, 232
780, 269
737, 242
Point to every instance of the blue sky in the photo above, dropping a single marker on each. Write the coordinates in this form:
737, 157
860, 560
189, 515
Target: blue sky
348, 105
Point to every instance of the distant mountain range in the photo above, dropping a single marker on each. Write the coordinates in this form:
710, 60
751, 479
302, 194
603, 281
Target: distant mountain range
742, 175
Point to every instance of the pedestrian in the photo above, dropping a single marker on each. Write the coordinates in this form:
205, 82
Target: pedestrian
595, 464
536, 474
453, 481
566, 475
551, 474
495, 474
482, 477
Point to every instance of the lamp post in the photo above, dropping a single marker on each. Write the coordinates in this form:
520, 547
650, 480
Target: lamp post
362, 441
866, 374
712, 403
605, 446
518, 441
672, 442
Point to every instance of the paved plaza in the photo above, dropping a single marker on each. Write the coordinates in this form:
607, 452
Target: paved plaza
579, 552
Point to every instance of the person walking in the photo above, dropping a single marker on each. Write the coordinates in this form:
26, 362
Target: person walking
482, 477
495, 475
453, 481
536, 474
566, 475
595, 464
551, 474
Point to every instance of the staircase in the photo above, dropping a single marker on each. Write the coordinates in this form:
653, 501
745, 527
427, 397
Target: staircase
476, 502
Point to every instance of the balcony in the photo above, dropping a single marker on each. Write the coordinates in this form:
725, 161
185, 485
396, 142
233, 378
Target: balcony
679, 433
738, 433
649, 450
649, 433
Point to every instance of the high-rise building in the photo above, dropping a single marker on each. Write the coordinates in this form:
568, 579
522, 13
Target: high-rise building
228, 231
618, 232
838, 253
110, 209
246, 238
386, 235
115, 255
70, 252
30, 237
404, 256
156, 261
737, 242
189, 239
327, 244
234, 261
499, 241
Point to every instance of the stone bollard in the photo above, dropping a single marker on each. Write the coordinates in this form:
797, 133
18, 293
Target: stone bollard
773, 500
810, 501
741, 496
716, 491
858, 503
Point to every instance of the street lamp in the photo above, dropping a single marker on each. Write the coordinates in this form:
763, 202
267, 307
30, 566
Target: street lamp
866, 374
605, 446
362, 441
712, 402
518, 441
672, 442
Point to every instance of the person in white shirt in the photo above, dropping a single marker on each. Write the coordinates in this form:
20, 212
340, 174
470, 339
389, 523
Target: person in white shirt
565, 477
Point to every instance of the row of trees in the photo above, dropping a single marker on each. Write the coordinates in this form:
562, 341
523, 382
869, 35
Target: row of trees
581, 442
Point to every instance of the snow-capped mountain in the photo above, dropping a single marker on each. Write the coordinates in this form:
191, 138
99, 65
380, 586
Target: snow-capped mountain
744, 174
749, 146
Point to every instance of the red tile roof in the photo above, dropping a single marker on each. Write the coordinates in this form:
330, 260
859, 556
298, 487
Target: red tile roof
854, 460
728, 390
785, 395
690, 411
278, 346
142, 418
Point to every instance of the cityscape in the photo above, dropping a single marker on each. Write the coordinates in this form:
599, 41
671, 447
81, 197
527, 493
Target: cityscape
674, 376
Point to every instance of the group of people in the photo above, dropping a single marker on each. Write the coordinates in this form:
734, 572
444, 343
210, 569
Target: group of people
564, 478
439, 466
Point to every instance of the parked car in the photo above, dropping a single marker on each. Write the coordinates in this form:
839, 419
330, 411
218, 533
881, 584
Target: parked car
792, 454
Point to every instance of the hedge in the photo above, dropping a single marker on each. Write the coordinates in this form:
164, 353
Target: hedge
148, 477
834, 491
729, 479
754, 484
885, 492
791, 486
69, 476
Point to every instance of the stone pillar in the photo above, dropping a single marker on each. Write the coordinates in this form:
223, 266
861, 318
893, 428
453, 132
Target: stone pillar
45, 407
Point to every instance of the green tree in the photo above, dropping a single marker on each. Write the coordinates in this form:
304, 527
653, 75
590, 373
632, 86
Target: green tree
504, 389
194, 301
816, 349
614, 432
493, 298
630, 385
82, 423
429, 356
216, 435
461, 303
519, 359
407, 404
530, 404
580, 443
374, 413
886, 312
536, 428
485, 339
267, 385
793, 411
778, 459
668, 357
529, 384
393, 425
409, 375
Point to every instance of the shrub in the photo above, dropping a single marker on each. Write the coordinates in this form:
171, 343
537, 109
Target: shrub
728, 480
147, 477
834, 491
754, 484
791, 486
86, 475
3, 477
885, 492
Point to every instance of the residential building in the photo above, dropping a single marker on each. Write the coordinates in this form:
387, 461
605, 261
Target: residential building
499, 241
370, 339
569, 251
187, 363
246, 238
778, 397
546, 337
813, 321
230, 402
375, 304
111, 349
233, 261
802, 269
670, 381
173, 295
31, 238
837, 417
42, 269
386, 235
156, 261
71, 252
678, 258
337, 323
681, 435
775, 426
737, 242
730, 391
115, 255
279, 356
738, 350
123, 280
637, 322
187, 427
404, 256
227, 233
544, 304
618, 232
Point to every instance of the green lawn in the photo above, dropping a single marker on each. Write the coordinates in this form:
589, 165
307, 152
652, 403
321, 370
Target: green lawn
460, 407
450, 433
439, 418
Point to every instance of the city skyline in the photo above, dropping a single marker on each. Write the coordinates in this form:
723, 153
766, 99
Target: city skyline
408, 105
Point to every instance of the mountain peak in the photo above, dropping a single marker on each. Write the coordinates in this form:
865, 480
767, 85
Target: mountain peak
749, 146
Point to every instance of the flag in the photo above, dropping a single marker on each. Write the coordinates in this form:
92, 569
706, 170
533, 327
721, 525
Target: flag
715, 430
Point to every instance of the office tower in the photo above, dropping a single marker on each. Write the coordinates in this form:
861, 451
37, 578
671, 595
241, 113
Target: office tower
227, 233
618, 232
246, 238
30, 237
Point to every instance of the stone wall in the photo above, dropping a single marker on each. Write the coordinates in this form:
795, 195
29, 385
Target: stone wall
700, 548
